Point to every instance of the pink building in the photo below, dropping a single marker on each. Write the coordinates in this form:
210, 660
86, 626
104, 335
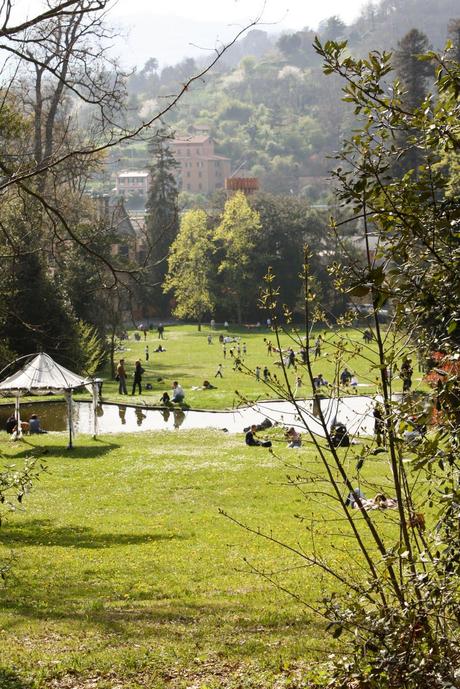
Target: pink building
200, 169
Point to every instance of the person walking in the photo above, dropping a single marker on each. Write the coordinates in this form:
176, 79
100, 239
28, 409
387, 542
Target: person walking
137, 382
257, 372
147, 352
266, 374
317, 350
121, 377
219, 372
161, 330
224, 351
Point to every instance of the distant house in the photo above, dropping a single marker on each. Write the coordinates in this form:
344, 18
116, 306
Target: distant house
132, 181
200, 169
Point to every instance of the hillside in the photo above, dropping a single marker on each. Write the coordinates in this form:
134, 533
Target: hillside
268, 105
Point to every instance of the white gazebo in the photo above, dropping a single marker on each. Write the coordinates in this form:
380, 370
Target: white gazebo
43, 376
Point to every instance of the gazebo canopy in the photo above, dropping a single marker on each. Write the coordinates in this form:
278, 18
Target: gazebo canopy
41, 376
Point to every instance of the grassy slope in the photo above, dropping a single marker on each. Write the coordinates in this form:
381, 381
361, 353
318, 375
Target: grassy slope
126, 572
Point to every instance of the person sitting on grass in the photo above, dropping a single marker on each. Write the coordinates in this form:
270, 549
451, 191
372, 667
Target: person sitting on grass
294, 438
345, 377
252, 440
178, 394
34, 425
11, 426
319, 381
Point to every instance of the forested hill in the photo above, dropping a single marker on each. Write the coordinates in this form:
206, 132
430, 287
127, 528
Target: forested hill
268, 105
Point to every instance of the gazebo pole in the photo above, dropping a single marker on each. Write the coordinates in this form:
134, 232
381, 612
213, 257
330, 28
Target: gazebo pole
95, 391
68, 395
18, 418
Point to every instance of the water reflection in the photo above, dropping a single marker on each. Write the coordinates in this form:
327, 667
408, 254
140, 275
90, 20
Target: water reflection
165, 413
140, 416
122, 413
179, 417
355, 412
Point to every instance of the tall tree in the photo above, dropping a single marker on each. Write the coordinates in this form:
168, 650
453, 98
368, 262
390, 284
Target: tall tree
190, 268
238, 236
162, 220
411, 70
413, 74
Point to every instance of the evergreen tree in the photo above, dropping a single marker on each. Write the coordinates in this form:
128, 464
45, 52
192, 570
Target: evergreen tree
413, 74
38, 318
162, 221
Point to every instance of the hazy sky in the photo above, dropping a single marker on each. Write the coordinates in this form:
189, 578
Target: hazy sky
292, 13
172, 29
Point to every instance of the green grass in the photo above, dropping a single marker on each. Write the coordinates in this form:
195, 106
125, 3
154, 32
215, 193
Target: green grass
191, 360
126, 574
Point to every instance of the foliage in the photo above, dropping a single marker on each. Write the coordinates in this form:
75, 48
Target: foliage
190, 268
93, 348
415, 222
239, 235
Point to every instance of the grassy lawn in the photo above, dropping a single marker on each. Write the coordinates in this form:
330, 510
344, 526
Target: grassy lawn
191, 360
126, 574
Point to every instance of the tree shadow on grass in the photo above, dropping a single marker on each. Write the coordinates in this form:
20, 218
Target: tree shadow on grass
42, 532
10, 680
99, 449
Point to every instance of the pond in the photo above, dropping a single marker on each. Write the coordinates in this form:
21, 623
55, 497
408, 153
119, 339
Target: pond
354, 411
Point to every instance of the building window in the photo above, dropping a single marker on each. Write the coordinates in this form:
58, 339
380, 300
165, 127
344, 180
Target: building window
200, 186
200, 174
188, 174
217, 163
188, 151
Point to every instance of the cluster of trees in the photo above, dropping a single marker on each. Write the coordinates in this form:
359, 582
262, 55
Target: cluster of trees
217, 262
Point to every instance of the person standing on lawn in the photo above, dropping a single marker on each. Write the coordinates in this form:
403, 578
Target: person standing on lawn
121, 376
137, 382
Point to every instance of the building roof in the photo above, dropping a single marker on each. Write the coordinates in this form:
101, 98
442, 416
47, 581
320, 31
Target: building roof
133, 173
193, 140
